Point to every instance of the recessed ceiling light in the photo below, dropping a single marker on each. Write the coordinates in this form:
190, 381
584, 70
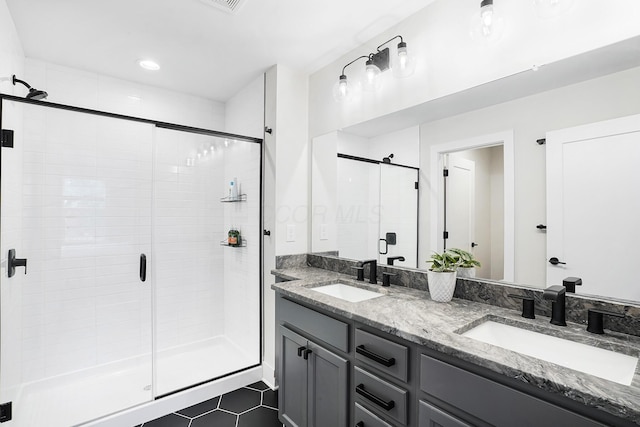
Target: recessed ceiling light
148, 64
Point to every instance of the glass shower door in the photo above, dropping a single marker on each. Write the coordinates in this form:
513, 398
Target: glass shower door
76, 205
207, 291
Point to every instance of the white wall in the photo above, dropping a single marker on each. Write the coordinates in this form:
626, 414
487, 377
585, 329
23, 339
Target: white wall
244, 112
449, 61
11, 62
100, 92
612, 96
292, 161
324, 191
11, 54
286, 184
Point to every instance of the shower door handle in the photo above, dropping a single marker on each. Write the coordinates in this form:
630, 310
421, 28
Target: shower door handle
143, 267
13, 262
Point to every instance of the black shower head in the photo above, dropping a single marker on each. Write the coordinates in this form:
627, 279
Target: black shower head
387, 159
33, 93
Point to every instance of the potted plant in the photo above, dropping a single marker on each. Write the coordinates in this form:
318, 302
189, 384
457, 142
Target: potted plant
468, 263
441, 277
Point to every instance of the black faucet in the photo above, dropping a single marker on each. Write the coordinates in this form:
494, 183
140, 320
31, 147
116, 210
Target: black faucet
556, 293
393, 258
373, 270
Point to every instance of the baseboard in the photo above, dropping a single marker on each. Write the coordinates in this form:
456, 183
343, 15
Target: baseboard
269, 375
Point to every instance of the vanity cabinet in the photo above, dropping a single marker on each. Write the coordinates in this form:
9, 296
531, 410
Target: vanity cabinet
313, 384
432, 416
485, 402
334, 372
313, 379
380, 378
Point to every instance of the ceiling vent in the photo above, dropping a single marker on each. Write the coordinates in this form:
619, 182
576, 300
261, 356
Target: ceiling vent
229, 6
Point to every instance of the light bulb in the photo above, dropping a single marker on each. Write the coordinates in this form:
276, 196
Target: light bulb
487, 24
342, 90
371, 77
486, 16
403, 64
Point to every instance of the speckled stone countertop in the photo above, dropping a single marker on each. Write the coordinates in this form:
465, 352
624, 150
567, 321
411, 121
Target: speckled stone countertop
411, 315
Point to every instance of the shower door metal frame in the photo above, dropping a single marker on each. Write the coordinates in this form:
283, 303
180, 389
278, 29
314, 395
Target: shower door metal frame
182, 128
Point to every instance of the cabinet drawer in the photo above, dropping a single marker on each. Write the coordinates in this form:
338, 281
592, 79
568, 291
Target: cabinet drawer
365, 418
325, 328
431, 416
380, 395
492, 402
383, 354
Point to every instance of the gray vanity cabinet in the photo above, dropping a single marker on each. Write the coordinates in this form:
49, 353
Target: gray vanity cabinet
432, 416
313, 379
333, 371
479, 398
313, 384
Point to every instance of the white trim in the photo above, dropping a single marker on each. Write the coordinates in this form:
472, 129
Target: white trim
269, 375
505, 138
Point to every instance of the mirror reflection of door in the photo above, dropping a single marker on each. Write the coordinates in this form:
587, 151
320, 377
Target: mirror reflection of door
374, 199
398, 214
474, 214
593, 206
459, 202
357, 214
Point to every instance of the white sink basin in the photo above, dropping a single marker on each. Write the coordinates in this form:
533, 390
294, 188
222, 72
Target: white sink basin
347, 292
602, 363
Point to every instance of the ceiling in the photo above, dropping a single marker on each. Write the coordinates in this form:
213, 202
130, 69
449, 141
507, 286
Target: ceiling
201, 49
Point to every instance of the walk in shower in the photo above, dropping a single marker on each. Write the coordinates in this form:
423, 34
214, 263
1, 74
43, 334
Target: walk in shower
126, 286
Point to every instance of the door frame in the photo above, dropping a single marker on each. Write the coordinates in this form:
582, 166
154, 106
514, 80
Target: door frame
506, 138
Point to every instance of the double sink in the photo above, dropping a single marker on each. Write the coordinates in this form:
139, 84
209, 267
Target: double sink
603, 363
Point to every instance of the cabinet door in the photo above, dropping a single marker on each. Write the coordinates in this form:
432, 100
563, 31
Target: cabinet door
328, 385
431, 416
293, 379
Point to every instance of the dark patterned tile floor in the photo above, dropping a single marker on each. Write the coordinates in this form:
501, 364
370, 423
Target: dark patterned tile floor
255, 405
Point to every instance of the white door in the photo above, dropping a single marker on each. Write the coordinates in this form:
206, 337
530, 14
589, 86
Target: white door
398, 214
76, 321
460, 203
593, 206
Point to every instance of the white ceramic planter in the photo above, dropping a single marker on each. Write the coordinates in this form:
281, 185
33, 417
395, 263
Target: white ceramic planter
469, 272
441, 285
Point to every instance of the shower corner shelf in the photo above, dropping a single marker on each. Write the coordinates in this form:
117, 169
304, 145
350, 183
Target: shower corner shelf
243, 244
229, 199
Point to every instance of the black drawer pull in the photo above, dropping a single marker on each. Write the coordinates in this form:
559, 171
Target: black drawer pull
375, 399
300, 350
306, 354
375, 357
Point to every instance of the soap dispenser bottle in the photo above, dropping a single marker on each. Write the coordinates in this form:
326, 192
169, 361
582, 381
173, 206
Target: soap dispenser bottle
233, 189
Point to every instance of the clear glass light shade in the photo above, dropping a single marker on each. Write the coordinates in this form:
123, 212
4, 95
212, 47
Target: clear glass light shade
486, 24
552, 8
342, 89
403, 64
371, 81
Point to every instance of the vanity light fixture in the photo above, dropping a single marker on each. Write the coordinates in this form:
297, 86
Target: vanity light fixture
149, 64
486, 24
401, 64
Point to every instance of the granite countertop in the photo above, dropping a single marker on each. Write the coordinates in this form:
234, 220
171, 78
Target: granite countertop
411, 315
